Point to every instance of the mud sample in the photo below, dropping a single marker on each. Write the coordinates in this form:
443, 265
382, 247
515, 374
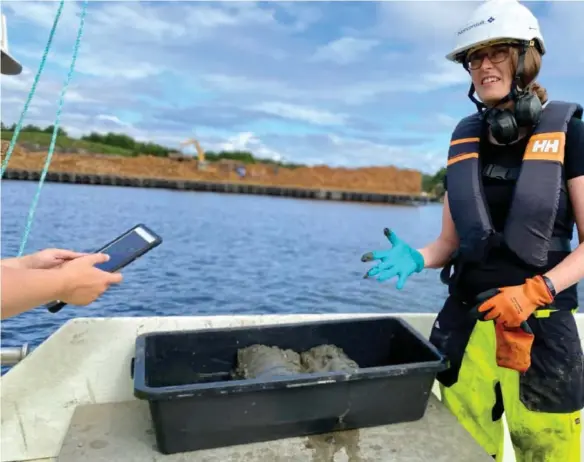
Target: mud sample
264, 361
327, 358
258, 361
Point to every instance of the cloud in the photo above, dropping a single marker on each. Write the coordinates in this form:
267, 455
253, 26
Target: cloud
339, 151
561, 26
344, 83
248, 141
305, 114
432, 23
344, 50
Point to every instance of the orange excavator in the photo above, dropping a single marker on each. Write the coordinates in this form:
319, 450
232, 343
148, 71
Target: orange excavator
200, 152
201, 163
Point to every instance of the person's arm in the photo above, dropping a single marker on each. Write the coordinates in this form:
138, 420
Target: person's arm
438, 253
25, 289
15, 262
571, 269
77, 282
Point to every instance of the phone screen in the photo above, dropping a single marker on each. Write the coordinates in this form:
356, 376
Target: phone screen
125, 249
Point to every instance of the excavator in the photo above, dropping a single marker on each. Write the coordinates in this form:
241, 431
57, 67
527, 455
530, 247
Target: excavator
200, 153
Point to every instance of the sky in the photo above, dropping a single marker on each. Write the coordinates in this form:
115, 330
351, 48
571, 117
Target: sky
340, 83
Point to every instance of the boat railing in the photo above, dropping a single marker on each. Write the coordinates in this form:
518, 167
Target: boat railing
9, 356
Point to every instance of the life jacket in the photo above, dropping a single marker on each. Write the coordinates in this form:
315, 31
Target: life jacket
528, 229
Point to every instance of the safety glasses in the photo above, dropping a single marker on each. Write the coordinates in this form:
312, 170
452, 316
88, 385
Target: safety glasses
496, 54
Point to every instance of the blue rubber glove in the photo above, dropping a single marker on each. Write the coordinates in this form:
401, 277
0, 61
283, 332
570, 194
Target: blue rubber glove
401, 260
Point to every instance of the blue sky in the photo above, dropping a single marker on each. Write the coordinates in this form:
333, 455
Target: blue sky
342, 83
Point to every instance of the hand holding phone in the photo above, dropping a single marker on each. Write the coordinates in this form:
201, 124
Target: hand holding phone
121, 251
83, 282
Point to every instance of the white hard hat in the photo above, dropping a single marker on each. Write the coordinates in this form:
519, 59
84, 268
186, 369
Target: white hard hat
497, 21
9, 65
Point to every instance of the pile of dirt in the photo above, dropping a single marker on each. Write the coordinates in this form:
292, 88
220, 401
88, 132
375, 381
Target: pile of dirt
262, 361
371, 179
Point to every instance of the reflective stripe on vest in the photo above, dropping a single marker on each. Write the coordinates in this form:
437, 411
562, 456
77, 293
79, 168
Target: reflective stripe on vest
532, 215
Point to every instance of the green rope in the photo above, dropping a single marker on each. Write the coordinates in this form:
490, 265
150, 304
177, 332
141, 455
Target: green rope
32, 90
33, 206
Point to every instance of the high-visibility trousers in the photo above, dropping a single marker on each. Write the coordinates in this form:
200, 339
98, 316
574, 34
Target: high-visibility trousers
542, 406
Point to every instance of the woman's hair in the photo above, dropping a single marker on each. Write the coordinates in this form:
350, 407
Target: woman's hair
531, 68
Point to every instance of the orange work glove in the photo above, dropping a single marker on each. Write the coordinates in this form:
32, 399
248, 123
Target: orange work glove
511, 306
513, 347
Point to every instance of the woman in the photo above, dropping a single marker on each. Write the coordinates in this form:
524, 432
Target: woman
514, 190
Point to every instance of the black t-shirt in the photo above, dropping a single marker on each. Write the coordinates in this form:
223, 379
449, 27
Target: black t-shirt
502, 267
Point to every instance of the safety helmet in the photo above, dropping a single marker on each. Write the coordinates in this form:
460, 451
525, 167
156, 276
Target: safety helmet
8, 65
497, 21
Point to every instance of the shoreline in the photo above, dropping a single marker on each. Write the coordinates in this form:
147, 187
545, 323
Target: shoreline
229, 187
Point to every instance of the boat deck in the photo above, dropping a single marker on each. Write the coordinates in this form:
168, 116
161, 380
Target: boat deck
72, 399
123, 432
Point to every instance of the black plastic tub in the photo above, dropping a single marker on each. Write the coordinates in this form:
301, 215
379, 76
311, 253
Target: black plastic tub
194, 403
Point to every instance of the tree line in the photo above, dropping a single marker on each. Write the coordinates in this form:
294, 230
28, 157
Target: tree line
431, 184
123, 141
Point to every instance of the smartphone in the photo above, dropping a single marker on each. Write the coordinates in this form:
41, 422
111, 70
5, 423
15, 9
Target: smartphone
122, 251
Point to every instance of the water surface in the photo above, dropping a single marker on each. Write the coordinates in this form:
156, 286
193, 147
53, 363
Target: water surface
222, 253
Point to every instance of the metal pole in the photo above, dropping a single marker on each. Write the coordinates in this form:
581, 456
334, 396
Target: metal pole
9, 356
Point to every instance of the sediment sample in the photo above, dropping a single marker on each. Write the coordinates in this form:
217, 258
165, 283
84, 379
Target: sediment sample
327, 358
264, 361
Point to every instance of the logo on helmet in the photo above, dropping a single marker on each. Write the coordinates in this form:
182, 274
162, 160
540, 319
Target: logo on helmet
476, 24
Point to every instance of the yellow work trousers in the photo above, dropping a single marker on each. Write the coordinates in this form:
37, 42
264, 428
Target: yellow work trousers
536, 436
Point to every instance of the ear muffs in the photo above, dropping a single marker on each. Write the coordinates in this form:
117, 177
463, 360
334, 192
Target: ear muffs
505, 123
528, 109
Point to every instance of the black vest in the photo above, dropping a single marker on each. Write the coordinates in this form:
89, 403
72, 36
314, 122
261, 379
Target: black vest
528, 229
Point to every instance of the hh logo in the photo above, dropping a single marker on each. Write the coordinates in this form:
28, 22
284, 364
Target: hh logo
546, 146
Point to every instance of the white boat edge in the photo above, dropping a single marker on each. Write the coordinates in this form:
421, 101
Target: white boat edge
87, 360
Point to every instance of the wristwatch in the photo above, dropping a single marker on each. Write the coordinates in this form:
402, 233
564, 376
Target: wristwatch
550, 285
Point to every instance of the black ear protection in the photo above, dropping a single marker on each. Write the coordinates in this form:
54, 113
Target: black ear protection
505, 123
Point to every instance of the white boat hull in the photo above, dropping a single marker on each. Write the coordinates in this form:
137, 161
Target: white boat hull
88, 361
